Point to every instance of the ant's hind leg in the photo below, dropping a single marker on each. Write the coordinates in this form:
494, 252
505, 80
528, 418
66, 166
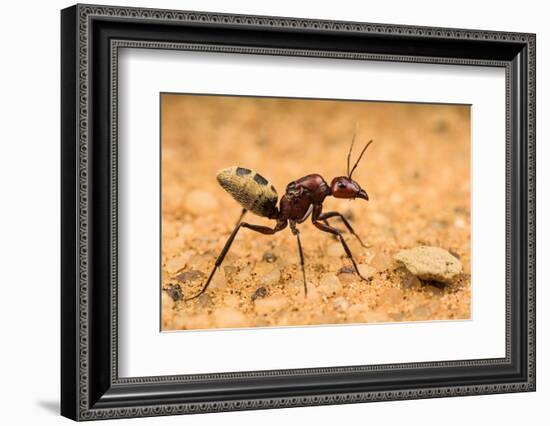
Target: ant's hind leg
258, 228
328, 215
241, 216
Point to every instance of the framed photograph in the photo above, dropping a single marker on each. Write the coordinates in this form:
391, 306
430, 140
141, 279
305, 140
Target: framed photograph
263, 212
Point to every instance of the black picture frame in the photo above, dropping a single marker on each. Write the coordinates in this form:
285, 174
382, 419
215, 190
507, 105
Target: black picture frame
90, 386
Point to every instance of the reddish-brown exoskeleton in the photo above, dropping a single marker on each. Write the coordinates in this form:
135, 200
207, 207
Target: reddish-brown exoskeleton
303, 197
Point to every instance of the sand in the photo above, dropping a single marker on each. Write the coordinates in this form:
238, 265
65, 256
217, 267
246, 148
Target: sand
417, 175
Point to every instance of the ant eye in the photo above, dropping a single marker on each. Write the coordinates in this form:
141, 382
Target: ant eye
341, 185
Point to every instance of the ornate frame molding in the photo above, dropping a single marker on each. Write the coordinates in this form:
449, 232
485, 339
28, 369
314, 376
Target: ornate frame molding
82, 16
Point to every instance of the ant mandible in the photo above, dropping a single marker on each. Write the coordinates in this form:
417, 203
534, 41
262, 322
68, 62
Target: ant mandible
303, 197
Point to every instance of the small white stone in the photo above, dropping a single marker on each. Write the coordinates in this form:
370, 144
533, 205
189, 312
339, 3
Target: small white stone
381, 261
430, 263
219, 281
271, 278
179, 262
366, 270
330, 285
341, 304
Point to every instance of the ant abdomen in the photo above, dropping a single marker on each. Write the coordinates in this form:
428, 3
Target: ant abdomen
250, 189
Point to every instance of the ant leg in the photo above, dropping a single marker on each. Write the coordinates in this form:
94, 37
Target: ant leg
308, 214
328, 215
258, 228
241, 216
297, 233
334, 231
326, 223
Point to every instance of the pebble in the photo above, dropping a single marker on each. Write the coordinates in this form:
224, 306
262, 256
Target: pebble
189, 276
205, 300
259, 293
341, 304
198, 202
201, 262
369, 255
179, 262
167, 303
229, 318
230, 272
296, 288
434, 288
231, 300
381, 261
269, 257
313, 295
430, 263
392, 296
366, 270
219, 280
330, 285
332, 263
174, 291
262, 268
271, 278
243, 274
409, 281
358, 309
422, 311
347, 279
335, 250
346, 270
270, 305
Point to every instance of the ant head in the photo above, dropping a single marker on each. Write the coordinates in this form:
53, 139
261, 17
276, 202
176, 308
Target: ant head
345, 186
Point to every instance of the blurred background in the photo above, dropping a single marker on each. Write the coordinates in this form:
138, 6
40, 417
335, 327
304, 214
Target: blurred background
417, 175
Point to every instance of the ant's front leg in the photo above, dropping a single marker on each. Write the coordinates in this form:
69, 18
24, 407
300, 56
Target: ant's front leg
281, 224
328, 215
296, 232
331, 230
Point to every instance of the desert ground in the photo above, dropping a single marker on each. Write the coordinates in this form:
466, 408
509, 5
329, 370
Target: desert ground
417, 175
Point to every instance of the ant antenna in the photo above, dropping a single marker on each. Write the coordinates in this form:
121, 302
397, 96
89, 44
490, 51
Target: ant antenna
360, 155
351, 146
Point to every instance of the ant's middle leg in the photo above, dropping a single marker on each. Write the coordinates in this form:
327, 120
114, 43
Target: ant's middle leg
328, 215
327, 228
258, 228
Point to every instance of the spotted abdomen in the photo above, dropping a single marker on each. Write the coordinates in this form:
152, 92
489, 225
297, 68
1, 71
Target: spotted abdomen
250, 189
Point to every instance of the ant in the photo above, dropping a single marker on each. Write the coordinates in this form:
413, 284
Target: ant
303, 197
